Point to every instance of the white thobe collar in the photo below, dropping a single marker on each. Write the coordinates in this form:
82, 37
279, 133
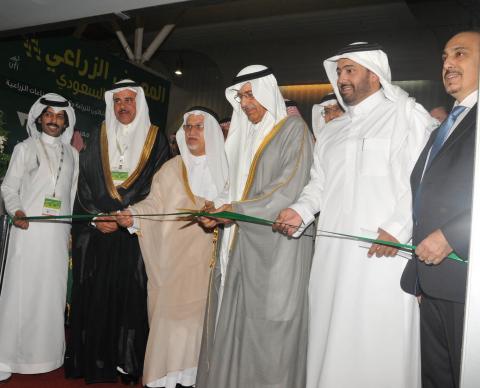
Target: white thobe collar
198, 160
123, 129
47, 139
366, 106
468, 101
200, 178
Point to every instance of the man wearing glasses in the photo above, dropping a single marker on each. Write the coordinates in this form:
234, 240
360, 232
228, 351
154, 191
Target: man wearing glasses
177, 254
255, 333
325, 111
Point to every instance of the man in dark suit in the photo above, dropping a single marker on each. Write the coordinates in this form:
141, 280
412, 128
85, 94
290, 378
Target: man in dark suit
442, 201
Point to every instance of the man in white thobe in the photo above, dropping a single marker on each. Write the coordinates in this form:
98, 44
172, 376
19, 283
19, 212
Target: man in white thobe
41, 179
363, 331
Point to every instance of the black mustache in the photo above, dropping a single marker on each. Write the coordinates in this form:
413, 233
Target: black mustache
452, 71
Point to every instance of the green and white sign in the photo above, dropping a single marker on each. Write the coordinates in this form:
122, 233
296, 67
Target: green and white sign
72, 68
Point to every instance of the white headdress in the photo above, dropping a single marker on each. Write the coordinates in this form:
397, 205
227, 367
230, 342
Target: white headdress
370, 56
214, 149
318, 121
140, 124
57, 103
266, 91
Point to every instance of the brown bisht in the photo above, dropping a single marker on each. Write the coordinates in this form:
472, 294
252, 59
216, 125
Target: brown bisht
260, 338
177, 256
109, 325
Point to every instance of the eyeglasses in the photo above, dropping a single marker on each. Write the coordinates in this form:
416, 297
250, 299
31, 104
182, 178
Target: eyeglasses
330, 110
190, 126
240, 96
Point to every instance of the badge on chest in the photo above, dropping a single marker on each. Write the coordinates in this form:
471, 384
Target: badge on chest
119, 176
51, 206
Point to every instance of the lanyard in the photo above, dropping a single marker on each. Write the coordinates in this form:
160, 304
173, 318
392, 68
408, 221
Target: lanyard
50, 166
122, 152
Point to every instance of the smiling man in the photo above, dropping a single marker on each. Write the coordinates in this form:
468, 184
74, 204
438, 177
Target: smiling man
109, 295
363, 328
41, 179
256, 326
442, 208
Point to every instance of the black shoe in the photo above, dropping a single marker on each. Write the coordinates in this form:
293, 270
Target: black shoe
128, 379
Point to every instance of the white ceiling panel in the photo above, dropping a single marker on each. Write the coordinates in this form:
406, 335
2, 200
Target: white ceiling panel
17, 14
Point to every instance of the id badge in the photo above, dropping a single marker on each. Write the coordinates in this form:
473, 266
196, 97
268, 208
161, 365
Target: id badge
51, 206
119, 176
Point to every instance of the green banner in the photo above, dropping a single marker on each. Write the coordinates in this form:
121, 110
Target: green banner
74, 69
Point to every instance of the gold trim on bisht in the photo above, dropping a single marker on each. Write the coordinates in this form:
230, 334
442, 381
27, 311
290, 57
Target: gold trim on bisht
112, 191
186, 184
211, 280
253, 166
213, 259
297, 164
146, 152
251, 173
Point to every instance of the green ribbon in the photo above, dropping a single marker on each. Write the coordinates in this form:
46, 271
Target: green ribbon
405, 247
235, 217
89, 217
256, 220
238, 217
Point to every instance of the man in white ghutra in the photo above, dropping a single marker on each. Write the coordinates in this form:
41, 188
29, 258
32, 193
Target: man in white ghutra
41, 179
363, 331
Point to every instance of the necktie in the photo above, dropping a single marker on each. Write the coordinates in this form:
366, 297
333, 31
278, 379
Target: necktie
442, 135
443, 132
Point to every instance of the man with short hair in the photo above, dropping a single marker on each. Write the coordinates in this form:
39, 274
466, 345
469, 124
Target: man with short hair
177, 253
363, 330
441, 184
325, 111
41, 179
256, 320
109, 306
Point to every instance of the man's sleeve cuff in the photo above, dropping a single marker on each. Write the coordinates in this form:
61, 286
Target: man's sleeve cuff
402, 233
307, 218
135, 228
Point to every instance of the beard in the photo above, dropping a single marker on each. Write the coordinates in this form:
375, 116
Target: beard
452, 85
358, 92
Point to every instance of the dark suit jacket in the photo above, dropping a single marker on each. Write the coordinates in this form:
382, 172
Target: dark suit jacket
445, 202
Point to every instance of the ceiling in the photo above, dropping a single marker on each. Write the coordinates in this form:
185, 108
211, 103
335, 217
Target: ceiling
219, 37
25, 14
